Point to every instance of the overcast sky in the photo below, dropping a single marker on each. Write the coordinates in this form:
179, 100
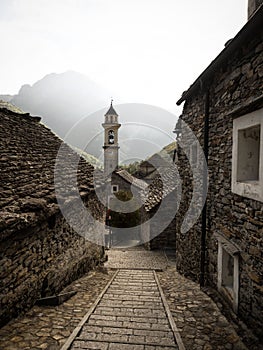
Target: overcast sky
146, 51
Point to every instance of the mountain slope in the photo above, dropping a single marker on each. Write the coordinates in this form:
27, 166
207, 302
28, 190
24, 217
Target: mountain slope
68, 98
61, 99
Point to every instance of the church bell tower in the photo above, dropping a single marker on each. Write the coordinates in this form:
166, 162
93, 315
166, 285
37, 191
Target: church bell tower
111, 147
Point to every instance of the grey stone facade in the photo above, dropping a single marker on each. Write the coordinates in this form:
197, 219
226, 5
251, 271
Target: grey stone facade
40, 253
39, 261
125, 181
230, 87
166, 238
158, 211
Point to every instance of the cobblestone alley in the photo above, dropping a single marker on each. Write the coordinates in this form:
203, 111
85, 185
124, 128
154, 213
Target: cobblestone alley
137, 301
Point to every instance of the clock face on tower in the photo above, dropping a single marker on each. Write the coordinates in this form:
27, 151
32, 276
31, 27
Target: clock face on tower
111, 137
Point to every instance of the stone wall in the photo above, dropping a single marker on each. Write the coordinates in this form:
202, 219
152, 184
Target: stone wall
233, 88
41, 252
159, 234
42, 259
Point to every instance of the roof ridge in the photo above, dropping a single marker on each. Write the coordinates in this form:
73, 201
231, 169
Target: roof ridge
23, 115
134, 180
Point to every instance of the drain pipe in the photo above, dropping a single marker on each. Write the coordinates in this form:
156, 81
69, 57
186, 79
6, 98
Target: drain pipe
205, 184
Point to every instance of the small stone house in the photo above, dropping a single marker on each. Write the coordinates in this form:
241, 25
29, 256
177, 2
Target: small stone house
40, 252
224, 109
122, 180
148, 169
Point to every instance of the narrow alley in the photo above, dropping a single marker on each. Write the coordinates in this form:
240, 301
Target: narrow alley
136, 301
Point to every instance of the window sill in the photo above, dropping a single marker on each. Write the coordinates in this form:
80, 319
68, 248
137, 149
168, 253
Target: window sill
248, 189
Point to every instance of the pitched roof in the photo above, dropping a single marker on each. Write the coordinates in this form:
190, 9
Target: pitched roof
160, 187
111, 111
28, 156
146, 164
246, 34
158, 160
9, 105
131, 179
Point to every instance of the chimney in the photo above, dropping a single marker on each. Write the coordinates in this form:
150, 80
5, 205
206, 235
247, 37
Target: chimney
253, 5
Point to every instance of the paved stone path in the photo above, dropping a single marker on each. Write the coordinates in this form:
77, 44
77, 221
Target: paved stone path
48, 327
132, 315
136, 258
200, 321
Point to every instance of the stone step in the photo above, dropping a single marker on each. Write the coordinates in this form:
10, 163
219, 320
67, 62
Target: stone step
93, 325
122, 335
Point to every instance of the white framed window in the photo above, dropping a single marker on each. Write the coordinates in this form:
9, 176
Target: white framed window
247, 155
228, 270
114, 188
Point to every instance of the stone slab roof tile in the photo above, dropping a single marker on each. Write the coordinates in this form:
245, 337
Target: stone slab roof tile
28, 152
162, 185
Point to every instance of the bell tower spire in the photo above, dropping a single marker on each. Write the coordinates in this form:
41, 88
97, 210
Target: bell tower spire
111, 146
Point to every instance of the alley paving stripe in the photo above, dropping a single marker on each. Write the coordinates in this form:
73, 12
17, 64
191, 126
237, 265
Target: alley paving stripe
130, 314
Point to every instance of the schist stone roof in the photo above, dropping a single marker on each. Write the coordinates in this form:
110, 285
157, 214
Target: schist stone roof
146, 164
131, 179
162, 185
28, 152
156, 161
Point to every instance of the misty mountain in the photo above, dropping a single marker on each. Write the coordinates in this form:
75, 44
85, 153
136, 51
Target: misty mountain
61, 99
73, 106
144, 130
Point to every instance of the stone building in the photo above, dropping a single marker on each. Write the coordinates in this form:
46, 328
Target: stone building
148, 169
158, 211
39, 251
127, 186
224, 109
121, 180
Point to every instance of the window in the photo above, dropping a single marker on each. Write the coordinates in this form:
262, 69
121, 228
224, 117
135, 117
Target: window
111, 137
228, 270
114, 188
247, 155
